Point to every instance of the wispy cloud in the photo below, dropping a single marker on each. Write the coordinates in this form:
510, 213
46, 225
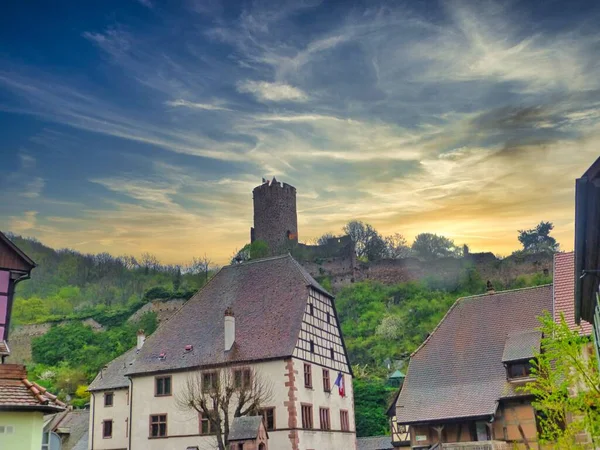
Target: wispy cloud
195, 105
272, 92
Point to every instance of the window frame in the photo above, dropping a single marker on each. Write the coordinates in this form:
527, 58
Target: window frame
244, 383
201, 419
324, 418
308, 416
308, 376
163, 378
158, 423
344, 420
525, 372
104, 435
110, 395
326, 381
263, 413
214, 374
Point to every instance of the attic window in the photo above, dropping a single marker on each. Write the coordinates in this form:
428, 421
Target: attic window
520, 369
162, 356
312, 346
311, 309
328, 318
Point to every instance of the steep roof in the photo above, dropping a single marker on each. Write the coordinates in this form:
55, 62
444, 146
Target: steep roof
458, 371
268, 298
72, 425
374, 443
17, 393
521, 345
112, 376
12, 257
245, 428
564, 292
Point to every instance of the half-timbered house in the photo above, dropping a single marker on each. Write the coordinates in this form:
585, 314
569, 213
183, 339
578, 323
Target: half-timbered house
266, 318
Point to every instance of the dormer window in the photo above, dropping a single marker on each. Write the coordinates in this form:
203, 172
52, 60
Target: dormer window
518, 369
519, 349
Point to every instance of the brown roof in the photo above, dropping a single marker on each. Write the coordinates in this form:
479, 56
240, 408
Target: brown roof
564, 292
18, 393
12, 257
112, 376
268, 298
521, 345
458, 371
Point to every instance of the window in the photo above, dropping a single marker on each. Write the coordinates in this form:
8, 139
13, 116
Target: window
126, 426
107, 429
240, 447
307, 376
7, 429
519, 370
332, 353
242, 378
328, 318
210, 381
324, 418
326, 382
162, 386
311, 309
312, 346
344, 421
109, 398
158, 425
268, 418
206, 426
307, 418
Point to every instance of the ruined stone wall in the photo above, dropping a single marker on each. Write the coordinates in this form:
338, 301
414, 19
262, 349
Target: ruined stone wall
164, 309
342, 268
275, 217
21, 336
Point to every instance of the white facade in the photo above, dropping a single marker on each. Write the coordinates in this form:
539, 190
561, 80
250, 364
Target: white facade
319, 340
118, 413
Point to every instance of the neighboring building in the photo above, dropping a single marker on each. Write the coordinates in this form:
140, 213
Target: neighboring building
587, 250
22, 408
248, 433
269, 317
71, 427
374, 443
564, 293
461, 385
15, 266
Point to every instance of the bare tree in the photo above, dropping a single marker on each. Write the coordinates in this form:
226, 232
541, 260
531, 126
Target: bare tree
200, 265
396, 247
220, 396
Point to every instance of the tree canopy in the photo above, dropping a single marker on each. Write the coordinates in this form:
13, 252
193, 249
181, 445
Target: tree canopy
538, 239
429, 246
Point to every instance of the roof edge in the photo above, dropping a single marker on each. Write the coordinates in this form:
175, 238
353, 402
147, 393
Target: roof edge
467, 298
20, 252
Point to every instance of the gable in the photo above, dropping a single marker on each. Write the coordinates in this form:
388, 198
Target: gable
325, 335
12, 258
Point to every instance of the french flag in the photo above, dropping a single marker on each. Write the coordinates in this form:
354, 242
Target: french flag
339, 382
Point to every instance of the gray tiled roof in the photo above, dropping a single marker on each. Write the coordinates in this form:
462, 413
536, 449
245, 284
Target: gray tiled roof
268, 298
458, 370
244, 428
374, 443
521, 345
113, 375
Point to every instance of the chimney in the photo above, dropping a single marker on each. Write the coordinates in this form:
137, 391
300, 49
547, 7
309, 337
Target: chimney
490, 288
229, 329
141, 338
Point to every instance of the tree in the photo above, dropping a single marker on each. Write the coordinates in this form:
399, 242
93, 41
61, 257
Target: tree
223, 395
538, 239
322, 240
566, 387
368, 243
396, 247
430, 246
257, 249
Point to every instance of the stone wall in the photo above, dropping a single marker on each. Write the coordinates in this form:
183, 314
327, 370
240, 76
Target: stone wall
21, 336
164, 309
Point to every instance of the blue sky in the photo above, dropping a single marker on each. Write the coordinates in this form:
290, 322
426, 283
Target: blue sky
138, 125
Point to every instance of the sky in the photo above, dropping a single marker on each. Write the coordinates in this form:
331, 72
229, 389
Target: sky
134, 126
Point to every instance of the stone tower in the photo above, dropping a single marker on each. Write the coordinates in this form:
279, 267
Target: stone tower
275, 218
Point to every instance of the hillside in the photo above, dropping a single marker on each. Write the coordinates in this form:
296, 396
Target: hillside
382, 324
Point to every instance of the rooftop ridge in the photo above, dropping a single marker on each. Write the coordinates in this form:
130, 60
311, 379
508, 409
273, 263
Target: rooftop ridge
469, 298
254, 261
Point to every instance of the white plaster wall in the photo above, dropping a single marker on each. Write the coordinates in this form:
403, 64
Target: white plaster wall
318, 398
117, 413
183, 426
